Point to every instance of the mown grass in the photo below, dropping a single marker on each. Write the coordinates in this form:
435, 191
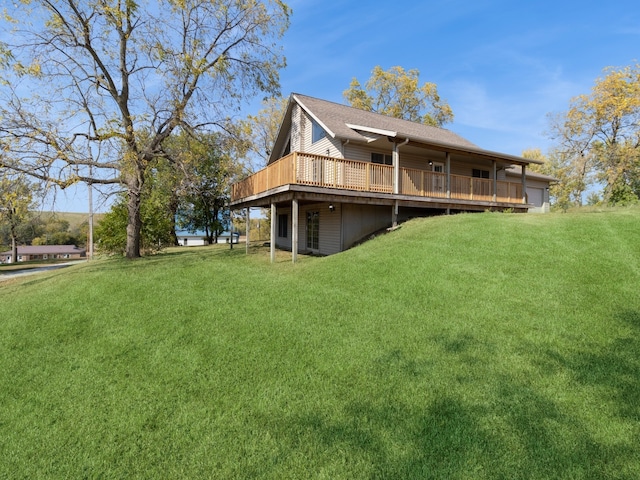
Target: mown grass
471, 346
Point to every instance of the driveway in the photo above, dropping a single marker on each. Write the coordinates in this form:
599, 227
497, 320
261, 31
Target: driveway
8, 274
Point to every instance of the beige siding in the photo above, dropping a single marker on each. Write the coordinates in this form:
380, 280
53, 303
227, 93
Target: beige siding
296, 128
326, 146
358, 221
330, 236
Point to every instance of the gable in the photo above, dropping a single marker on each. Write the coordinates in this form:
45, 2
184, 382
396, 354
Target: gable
345, 124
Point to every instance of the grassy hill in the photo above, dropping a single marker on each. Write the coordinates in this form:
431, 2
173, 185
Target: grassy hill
470, 346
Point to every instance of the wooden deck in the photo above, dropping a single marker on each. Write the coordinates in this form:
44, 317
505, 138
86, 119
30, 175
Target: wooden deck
328, 172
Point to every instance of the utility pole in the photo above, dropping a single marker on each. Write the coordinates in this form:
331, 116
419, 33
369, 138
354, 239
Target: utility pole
90, 217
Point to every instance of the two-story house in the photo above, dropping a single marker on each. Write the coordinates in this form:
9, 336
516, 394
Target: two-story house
336, 174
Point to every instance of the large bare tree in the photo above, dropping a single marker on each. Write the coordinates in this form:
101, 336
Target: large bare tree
91, 90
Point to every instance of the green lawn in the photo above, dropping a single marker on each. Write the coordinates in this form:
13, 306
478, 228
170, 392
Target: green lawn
471, 346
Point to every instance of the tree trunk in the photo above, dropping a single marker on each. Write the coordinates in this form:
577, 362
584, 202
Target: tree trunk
12, 232
134, 225
14, 249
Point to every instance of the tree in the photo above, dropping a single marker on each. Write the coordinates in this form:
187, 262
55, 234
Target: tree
114, 79
205, 188
600, 134
16, 202
261, 130
565, 192
397, 93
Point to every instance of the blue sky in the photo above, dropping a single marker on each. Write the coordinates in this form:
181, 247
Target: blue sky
501, 65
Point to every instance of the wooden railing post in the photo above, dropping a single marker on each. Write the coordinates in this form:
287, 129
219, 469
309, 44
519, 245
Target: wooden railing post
294, 158
367, 176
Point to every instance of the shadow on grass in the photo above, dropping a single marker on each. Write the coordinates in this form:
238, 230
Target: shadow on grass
616, 367
397, 442
501, 426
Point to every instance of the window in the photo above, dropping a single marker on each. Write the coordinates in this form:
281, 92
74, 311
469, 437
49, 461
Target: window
480, 173
317, 132
282, 226
313, 229
381, 158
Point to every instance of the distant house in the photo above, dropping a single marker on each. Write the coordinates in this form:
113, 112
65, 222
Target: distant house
191, 239
225, 236
188, 239
44, 252
336, 174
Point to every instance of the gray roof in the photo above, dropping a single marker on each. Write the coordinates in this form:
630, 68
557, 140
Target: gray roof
516, 170
349, 123
336, 117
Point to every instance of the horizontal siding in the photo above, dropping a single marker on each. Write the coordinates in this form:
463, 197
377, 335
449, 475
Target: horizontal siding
358, 221
326, 146
330, 235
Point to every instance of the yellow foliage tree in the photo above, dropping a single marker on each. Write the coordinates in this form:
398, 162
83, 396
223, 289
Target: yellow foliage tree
113, 80
397, 93
600, 134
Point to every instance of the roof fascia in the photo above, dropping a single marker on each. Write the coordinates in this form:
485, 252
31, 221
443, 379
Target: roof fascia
285, 117
478, 152
313, 116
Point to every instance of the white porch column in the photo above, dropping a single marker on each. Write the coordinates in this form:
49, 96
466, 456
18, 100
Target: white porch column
448, 167
272, 239
247, 230
495, 181
524, 184
294, 230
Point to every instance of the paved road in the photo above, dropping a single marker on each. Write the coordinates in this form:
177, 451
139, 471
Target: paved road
6, 275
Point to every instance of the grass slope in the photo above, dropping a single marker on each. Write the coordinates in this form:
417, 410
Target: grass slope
471, 346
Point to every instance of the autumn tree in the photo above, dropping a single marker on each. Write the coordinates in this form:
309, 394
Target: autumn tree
209, 167
565, 192
397, 93
260, 130
16, 202
600, 135
113, 79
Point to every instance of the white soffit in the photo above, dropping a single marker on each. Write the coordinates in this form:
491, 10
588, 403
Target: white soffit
377, 131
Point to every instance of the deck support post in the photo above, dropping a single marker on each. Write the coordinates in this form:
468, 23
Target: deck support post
495, 181
394, 215
448, 166
524, 184
272, 239
294, 230
247, 230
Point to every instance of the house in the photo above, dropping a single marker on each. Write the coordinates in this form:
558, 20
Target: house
225, 237
200, 238
191, 239
44, 252
336, 174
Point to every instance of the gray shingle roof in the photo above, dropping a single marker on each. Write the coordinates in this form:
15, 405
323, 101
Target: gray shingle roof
336, 117
341, 121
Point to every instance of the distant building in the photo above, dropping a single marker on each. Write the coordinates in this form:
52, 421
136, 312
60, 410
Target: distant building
44, 252
196, 239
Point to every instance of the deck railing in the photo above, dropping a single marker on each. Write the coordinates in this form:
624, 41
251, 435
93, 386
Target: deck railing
329, 172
